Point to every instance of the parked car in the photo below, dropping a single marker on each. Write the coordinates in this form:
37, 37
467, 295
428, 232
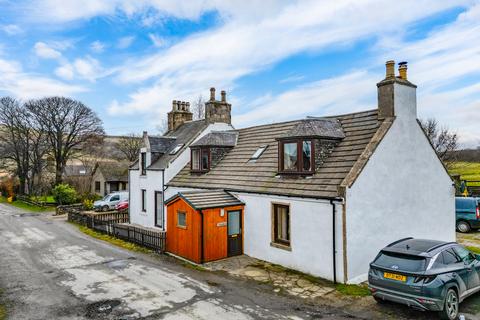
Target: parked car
110, 201
122, 205
425, 274
467, 213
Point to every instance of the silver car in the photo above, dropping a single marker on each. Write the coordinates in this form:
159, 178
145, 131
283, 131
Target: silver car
110, 201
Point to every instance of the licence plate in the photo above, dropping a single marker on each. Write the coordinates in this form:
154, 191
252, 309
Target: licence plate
394, 276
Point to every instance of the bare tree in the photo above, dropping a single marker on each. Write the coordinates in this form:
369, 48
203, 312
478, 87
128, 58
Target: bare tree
130, 146
68, 124
162, 127
444, 141
198, 108
22, 142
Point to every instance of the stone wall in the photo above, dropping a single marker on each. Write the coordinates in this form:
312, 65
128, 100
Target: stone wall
323, 148
216, 154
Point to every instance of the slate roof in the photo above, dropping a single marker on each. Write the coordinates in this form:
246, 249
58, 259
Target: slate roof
184, 134
199, 200
317, 127
160, 144
77, 170
217, 139
113, 171
236, 173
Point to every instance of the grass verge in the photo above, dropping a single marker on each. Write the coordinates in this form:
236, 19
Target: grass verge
466, 170
112, 240
25, 206
475, 250
3, 308
345, 289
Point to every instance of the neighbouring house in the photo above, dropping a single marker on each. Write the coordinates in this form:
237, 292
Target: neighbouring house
321, 195
109, 177
78, 176
162, 157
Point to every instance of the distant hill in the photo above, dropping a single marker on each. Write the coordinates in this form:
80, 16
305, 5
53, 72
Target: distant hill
468, 155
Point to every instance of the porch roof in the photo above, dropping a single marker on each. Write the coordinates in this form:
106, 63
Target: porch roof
199, 200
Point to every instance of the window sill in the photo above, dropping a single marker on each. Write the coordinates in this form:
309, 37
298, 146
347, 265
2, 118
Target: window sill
182, 227
199, 171
281, 246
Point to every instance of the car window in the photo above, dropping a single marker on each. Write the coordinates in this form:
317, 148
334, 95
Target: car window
464, 254
465, 204
115, 198
401, 262
449, 257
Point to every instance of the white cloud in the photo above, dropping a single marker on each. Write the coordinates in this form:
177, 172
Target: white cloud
65, 71
46, 52
243, 46
125, 42
23, 85
11, 29
97, 46
86, 68
157, 41
319, 98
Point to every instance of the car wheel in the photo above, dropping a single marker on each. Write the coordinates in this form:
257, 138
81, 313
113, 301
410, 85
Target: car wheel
463, 226
105, 208
450, 309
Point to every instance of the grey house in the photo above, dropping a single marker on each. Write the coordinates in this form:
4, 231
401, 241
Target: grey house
109, 177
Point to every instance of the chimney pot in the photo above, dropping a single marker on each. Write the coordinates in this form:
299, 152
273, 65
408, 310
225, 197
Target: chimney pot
174, 105
212, 94
224, 96
187, 104
390, 69
402, 70
183, 106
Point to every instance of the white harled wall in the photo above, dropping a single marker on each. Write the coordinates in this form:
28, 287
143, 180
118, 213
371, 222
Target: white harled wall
311, 232
403, 191
152, 182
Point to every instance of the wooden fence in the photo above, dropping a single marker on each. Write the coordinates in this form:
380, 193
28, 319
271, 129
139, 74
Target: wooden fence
116, 224
34, 202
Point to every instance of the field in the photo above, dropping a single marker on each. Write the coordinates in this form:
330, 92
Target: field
468, 171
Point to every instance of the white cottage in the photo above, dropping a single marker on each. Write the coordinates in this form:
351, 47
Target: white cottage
162, 157
324, 195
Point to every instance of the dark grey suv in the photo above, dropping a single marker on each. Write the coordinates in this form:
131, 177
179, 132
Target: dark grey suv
425, 274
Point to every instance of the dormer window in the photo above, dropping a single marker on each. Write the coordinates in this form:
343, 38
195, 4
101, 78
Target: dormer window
296, 156
200, 160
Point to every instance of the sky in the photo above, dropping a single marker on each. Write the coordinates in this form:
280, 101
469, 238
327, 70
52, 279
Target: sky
277, 60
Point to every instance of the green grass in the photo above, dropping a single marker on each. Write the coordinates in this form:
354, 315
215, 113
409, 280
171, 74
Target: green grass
3, 308
353, 290
112, 240
25, 206
467, 170
475, 250
48, 199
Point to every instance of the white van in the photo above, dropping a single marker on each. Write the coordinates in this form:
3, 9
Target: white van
110, 200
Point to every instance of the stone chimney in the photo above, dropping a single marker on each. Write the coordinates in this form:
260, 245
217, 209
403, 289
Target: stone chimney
179, 115
397, 97
218, 111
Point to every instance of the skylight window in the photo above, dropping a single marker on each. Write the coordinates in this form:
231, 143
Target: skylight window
175, 150
258, 153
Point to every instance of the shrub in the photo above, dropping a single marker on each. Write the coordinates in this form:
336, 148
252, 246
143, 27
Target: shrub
64, 194
88, 204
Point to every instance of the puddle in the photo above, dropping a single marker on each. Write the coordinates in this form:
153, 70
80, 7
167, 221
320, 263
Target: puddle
101, 309
117, 264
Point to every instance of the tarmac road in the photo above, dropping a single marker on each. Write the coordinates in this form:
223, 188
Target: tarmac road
50, 270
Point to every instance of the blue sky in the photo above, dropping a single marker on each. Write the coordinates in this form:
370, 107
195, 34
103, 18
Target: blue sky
278, 60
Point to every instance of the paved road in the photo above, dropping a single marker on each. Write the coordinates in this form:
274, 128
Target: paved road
49, 270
